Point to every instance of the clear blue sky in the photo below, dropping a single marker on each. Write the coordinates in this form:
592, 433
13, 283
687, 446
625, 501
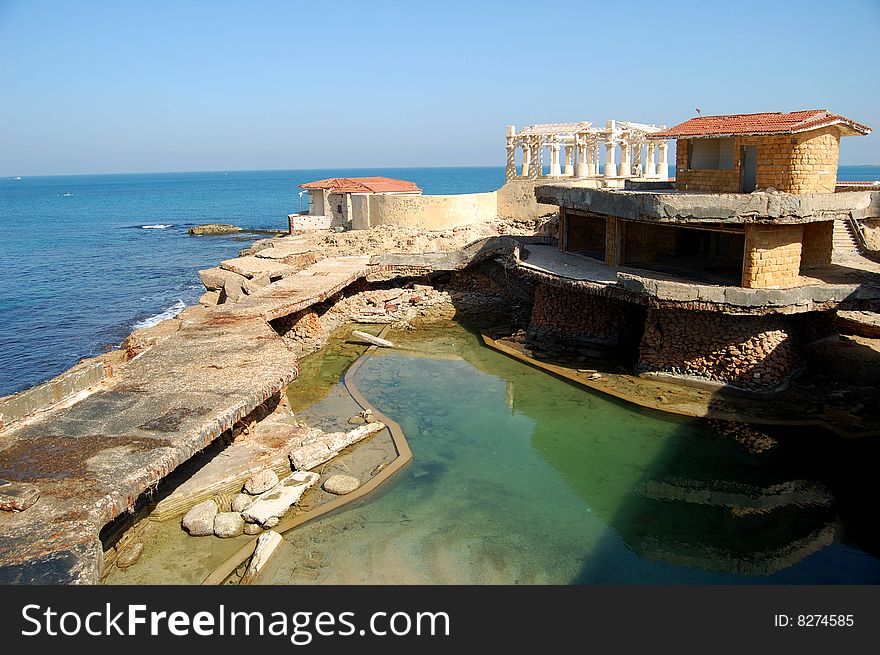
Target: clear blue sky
174, 86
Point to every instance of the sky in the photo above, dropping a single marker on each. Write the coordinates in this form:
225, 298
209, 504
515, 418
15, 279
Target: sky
104, 87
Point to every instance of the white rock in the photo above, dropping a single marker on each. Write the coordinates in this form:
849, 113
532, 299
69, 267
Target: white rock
275, 502
228, 524
199, 521
241, 502
266, 545
261, 482
319, 447
341, 484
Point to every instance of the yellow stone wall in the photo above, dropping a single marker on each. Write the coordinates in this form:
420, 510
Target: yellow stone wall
772, 256
793, 163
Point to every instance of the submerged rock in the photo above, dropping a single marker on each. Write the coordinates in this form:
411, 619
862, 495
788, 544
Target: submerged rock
199, 521
341, 484
261, 482
129, 555
228, 524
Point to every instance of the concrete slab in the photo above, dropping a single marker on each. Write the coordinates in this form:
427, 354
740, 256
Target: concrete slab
252, 266
93, 459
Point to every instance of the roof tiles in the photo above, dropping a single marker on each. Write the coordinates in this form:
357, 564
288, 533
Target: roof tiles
363, 185
760, 124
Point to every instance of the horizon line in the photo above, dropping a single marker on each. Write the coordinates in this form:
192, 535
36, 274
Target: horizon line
320, 168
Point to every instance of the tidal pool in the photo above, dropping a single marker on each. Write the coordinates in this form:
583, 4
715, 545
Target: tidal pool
519, 477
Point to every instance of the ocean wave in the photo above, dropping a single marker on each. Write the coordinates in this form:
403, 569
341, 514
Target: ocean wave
170, 312
158, 226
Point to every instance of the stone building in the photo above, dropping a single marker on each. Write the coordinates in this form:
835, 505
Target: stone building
344, 201
794, 152
726, 273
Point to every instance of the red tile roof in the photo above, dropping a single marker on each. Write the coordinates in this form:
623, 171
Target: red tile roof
759, 124
363, 185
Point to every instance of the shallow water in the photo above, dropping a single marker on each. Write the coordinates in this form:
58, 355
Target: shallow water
521, 478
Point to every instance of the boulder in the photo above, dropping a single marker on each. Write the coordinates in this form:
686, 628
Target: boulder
274, 503
199, 521
261, 482
252, 528
129, 555
341, 484
240, 502
228, 524
17, 496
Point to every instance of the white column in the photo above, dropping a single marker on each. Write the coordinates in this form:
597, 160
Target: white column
527, 158
624, 170
582, 168
663, 166
650, 166
510, 168
610, 166
569, 161
555, 170
536, 160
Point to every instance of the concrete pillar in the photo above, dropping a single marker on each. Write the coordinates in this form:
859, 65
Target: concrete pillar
510, 168
555, 170
526, 159
594, 151
569, 161
663, 165
650, 165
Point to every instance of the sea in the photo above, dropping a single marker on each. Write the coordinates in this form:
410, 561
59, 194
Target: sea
86, 259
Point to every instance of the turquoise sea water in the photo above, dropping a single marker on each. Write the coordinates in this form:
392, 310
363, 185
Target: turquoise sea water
521, 478
86, 259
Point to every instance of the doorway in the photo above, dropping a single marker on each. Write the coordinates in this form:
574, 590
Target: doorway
749, 168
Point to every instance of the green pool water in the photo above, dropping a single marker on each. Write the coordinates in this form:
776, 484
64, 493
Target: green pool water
522, 478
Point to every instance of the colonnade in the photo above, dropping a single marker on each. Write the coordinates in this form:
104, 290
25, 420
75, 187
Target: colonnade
575, 147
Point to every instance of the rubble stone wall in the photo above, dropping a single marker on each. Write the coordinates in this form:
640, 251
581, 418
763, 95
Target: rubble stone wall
578, 316
750, 352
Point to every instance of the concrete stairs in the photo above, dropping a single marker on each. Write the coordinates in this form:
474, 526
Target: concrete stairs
844, 241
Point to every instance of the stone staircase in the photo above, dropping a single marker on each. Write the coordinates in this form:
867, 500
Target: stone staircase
844, 241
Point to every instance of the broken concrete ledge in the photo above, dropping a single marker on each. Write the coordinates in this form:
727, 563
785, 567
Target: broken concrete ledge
24, 403
404, 457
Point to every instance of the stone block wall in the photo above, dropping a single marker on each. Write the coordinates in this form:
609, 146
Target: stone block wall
644, 241
575, 315
817, 245
792, 163
750, 352
772, 256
